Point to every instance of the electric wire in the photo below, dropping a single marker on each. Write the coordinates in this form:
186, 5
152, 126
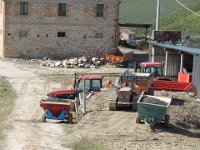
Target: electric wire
187, 8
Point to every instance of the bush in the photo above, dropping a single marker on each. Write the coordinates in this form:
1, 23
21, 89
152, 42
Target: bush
88, 144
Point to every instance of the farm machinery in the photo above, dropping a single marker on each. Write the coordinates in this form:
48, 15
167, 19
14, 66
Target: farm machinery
92, 83
58, 109
129, 87
119, 57
59, 104
161, 82
153, 110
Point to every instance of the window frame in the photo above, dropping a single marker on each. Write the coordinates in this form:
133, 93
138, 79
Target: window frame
99, 35
100, 10
61, 34
23, 34
62, 12
23, 9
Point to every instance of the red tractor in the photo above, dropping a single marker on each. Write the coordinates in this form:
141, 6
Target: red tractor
149, 67
92, 83
162, 82
59, 103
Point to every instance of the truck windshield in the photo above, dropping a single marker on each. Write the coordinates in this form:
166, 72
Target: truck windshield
87, 85
96, 85
90, 85
158, 70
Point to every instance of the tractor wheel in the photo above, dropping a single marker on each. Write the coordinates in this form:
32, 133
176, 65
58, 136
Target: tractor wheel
138, 120
112, 106
43, 118
70, 119
151, 91
167, 117
134, 107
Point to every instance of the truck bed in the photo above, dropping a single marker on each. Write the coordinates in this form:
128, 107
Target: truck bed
119, 57
172, 86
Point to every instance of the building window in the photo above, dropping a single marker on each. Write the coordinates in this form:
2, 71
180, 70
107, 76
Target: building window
99, 35
100, 10
23, 34
23, 8
61, 9
61, 34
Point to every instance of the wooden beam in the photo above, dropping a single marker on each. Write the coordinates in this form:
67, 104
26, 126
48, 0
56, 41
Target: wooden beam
181, 64
166, 62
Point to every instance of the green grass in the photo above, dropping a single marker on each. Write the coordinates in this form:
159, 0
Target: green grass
144, 11
7, 96
89, 144
173, 16
184, 21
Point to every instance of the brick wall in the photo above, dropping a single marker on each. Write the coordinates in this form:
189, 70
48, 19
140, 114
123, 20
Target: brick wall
43, 23
1, 27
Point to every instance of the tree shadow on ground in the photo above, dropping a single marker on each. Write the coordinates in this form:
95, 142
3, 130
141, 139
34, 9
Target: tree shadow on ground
177, 130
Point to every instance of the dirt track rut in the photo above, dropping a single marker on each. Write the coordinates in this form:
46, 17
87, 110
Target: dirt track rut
117, 129
27, 132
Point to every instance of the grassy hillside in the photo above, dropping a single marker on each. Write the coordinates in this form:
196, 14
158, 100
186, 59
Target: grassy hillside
144, 11
184, 21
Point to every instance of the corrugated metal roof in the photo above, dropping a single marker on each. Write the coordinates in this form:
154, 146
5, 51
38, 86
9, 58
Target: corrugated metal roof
195, 51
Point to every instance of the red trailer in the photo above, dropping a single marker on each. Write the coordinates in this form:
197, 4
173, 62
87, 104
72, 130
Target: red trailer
58, 109
59, 103
172, 85
161, 82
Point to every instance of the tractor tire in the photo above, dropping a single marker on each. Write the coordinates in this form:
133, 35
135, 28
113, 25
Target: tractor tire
151, 91
44, 118
70, 119
134, 107
138, 120
112, 106
167, 118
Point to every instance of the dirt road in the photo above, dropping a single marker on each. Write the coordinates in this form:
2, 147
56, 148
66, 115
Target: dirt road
27, 132
117, 129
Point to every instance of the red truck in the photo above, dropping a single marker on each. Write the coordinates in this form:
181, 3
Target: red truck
161, 82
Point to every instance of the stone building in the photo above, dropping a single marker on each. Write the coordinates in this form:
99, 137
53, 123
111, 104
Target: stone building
58, 28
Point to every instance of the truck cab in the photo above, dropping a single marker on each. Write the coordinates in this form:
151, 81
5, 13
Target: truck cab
92, 83
149, 67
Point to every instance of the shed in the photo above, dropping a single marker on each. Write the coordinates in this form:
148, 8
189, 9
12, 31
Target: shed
176, 58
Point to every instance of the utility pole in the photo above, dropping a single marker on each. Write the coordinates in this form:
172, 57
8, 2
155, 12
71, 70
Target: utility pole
158, 15
157, 28
84, 98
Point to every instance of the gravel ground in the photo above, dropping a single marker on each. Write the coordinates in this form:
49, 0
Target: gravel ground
116, 129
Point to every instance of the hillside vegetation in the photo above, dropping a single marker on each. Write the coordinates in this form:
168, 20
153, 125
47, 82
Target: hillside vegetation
144, 11
185, 21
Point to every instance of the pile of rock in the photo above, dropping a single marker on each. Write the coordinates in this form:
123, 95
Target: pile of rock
81, 62
152, 100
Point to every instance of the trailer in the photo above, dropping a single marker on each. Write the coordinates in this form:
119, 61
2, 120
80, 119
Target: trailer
161, 82
153, 110
119, 57
173, 86
57, 109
